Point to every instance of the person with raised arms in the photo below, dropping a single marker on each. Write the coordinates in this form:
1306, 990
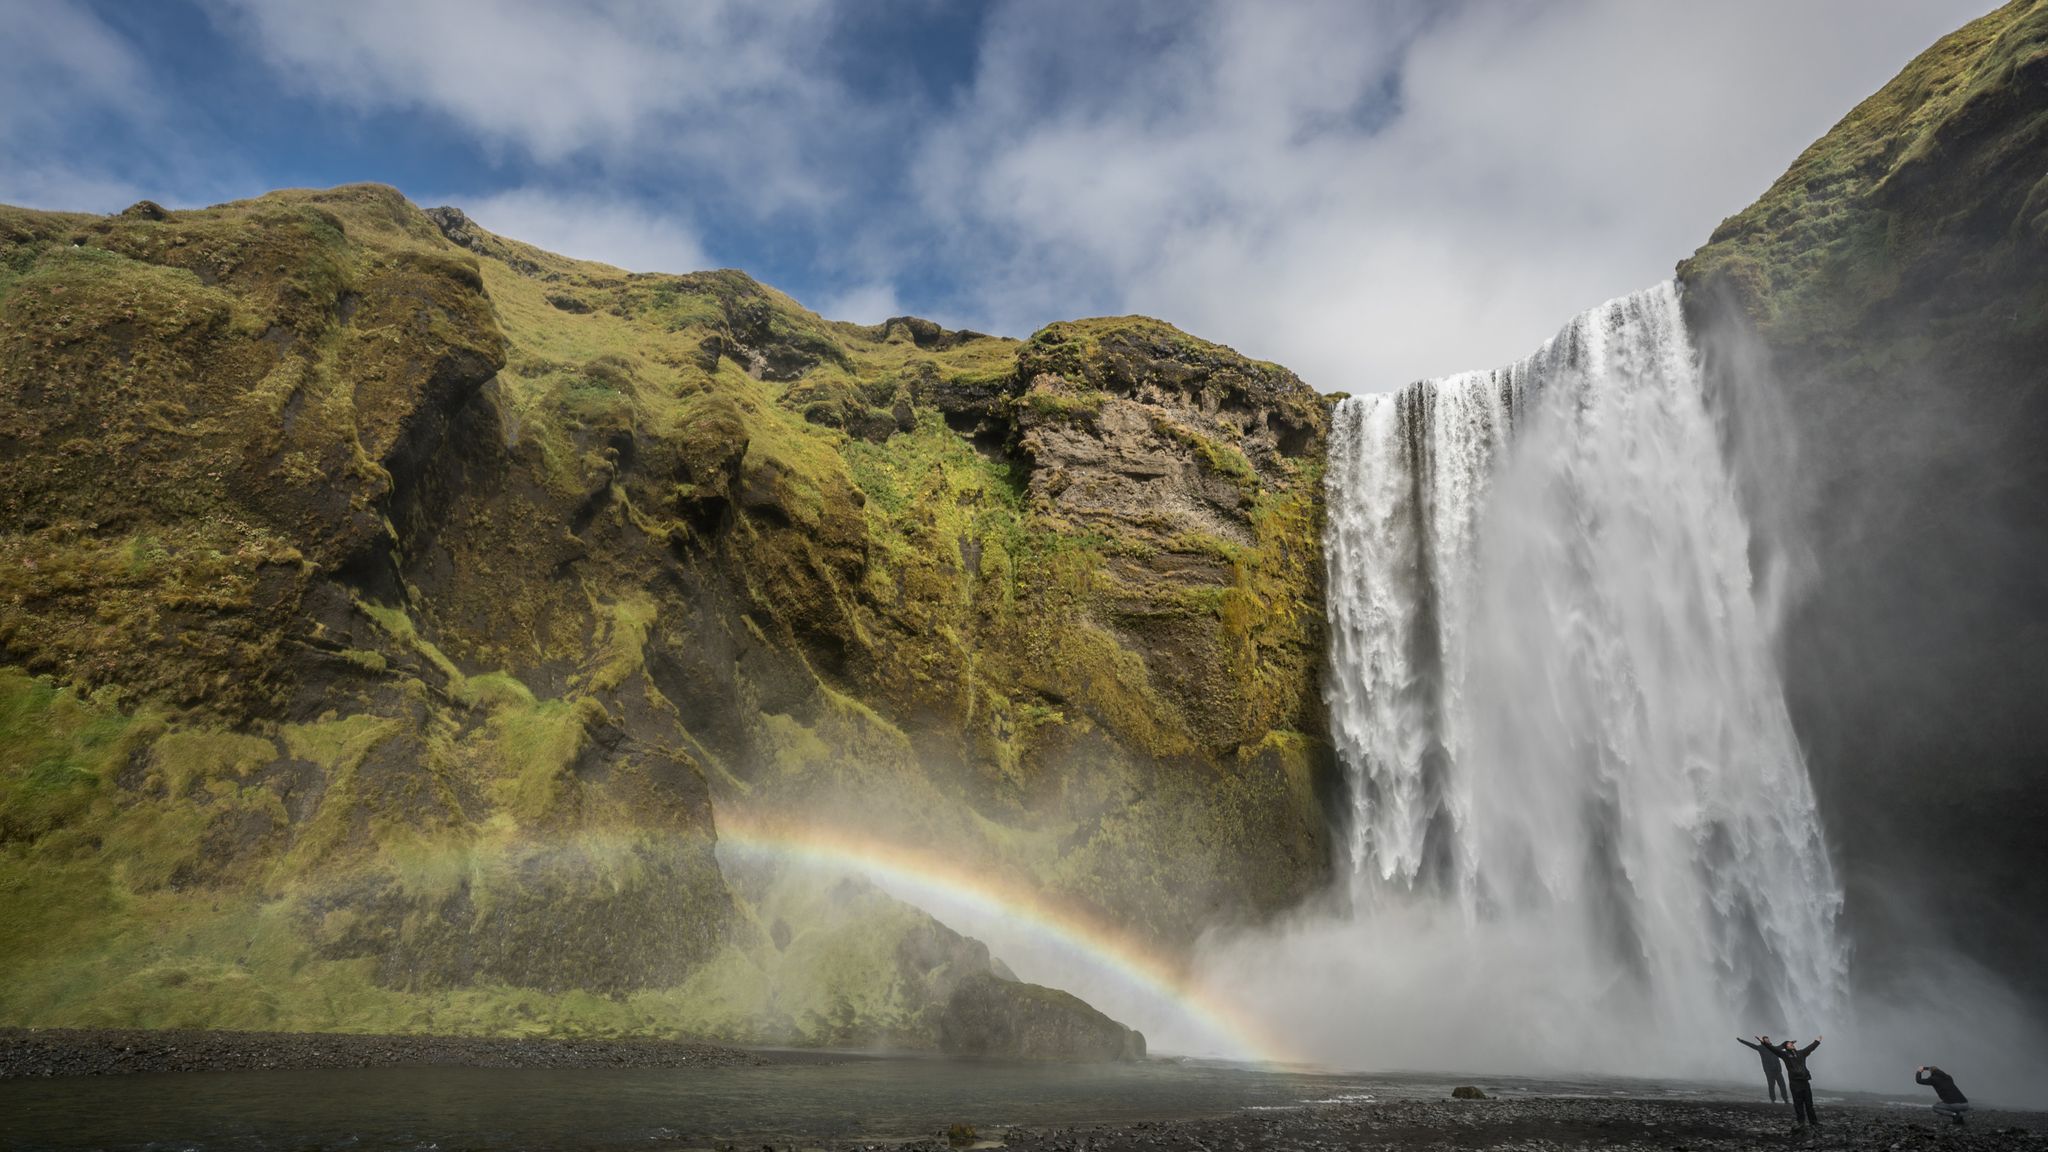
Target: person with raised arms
1802, 1081
1774, 1068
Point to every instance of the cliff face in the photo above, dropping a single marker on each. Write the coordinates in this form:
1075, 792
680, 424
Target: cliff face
1888, 300
393, 612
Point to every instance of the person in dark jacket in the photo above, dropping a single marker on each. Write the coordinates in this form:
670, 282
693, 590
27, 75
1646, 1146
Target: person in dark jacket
1953, 1103
1774, 1068
1802, 1081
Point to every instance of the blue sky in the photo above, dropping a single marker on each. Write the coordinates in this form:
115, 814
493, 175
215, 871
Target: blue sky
1365, 192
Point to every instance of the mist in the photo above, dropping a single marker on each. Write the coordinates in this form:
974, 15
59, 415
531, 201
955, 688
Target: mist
1615, 630
1896, 500
1594, 764
1426, 991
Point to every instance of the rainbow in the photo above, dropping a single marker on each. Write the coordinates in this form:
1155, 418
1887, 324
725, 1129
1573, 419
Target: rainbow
883, 860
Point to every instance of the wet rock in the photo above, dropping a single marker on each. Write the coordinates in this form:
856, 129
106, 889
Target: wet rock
988, 1016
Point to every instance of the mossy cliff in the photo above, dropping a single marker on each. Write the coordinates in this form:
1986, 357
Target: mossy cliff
1879, 319
390, 611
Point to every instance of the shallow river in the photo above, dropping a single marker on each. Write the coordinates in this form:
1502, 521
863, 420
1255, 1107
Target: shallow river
490, 1108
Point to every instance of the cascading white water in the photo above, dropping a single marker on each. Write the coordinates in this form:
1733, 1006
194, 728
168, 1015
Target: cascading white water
1584, 839
1578, 792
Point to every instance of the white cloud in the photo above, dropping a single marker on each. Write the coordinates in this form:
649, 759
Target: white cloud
869, 303
61, 62
75, 98
713, 81
62, 189
1538, 161
587, 226
61, 66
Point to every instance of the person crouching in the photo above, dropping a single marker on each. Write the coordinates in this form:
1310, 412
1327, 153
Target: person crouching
1952, 1103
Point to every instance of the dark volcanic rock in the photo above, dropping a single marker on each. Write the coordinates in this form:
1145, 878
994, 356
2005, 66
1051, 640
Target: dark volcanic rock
990, 1016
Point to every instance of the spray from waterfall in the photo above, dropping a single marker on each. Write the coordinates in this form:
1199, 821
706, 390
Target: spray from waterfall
1583, 833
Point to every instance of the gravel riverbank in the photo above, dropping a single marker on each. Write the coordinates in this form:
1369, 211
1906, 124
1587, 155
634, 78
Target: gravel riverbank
33, 1052
1548, 1123
854, 1095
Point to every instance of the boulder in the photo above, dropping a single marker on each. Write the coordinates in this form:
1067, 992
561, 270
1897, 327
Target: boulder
989, 1017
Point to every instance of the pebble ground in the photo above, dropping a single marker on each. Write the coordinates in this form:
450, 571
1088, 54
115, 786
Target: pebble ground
1546, 1123
28, 1052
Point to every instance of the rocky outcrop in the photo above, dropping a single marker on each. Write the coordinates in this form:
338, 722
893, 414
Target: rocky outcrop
1877, 323
991, 1018
853, 966
1205, 468
1143, 431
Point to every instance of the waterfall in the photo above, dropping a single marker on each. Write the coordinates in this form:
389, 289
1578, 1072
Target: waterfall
1555, 697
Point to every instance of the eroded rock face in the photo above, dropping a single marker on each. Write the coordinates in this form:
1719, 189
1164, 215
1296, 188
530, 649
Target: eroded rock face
1132, 464
988, 1017
1202, 469
1146, 432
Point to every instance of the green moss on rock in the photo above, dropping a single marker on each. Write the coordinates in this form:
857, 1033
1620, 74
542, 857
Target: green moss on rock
1941, 160
436, 589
